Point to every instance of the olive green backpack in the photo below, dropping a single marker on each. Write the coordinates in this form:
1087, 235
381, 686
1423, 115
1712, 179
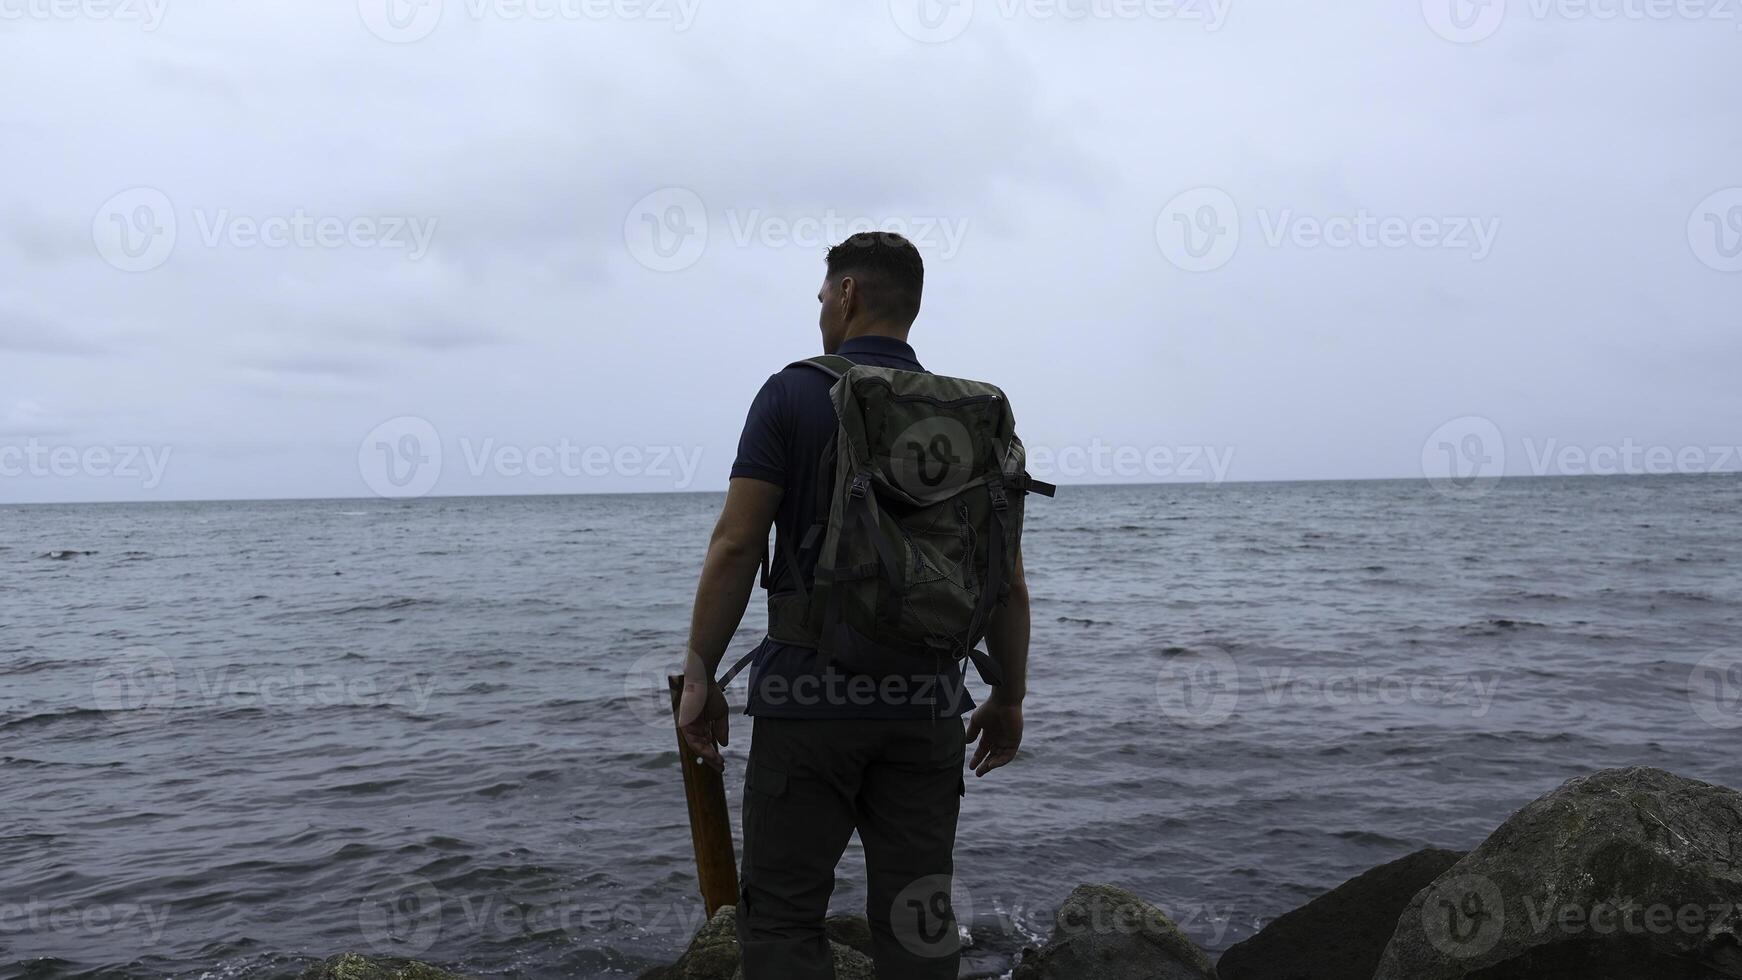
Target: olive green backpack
919, 518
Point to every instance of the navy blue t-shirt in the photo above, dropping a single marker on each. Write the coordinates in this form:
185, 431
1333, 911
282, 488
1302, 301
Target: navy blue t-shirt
789, 428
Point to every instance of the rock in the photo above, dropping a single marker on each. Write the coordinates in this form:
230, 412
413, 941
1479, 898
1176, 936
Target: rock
1107, 933
1341, 934
851, 931
713, 954
1627, 874
350, 966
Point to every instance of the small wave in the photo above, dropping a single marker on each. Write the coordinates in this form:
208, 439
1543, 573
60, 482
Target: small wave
64, 555
1497, 625
50, 717
1080, 622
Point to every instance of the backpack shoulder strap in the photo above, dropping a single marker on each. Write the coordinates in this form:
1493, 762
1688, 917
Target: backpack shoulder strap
833, 365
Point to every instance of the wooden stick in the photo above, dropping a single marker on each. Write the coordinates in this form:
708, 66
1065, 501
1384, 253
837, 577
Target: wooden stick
710, 822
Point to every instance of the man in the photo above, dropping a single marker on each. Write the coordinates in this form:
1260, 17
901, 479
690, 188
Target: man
829, 756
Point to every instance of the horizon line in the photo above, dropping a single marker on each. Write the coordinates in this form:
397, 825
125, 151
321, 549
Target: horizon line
654, 493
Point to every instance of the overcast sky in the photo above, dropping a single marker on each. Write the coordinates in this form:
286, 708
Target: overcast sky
287, 248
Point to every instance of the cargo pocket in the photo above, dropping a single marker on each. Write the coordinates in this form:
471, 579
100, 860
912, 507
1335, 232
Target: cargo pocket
761, 785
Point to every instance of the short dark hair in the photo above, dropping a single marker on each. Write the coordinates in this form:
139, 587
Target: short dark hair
888, 269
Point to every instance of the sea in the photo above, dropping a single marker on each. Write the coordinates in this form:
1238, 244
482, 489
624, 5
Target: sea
237, 738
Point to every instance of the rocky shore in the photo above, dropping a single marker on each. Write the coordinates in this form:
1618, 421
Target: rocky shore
1625, 874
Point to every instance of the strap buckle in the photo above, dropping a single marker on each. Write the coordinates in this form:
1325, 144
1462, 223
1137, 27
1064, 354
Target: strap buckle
995, 490
858, 487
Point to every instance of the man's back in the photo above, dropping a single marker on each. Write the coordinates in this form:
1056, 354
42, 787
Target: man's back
787, 436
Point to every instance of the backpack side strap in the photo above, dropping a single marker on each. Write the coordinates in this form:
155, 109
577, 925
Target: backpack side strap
833, 365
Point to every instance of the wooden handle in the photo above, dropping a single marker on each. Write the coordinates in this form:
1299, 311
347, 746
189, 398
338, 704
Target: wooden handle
710, 822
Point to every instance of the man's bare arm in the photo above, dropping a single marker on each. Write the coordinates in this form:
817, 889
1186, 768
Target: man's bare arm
1007, 639
728, 575
997, 724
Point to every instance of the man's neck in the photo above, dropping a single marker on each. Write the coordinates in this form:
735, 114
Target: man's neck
876, 330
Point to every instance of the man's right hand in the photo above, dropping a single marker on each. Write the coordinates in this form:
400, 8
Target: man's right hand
998, 727
704, 718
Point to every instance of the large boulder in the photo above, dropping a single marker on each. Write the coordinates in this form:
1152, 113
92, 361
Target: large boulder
713, 954
1107, 933
1341, 934
1627, 874
350, 966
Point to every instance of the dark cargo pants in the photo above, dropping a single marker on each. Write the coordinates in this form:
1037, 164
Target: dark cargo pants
808, 785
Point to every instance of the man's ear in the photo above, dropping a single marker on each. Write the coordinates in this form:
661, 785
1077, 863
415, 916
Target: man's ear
849, 298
